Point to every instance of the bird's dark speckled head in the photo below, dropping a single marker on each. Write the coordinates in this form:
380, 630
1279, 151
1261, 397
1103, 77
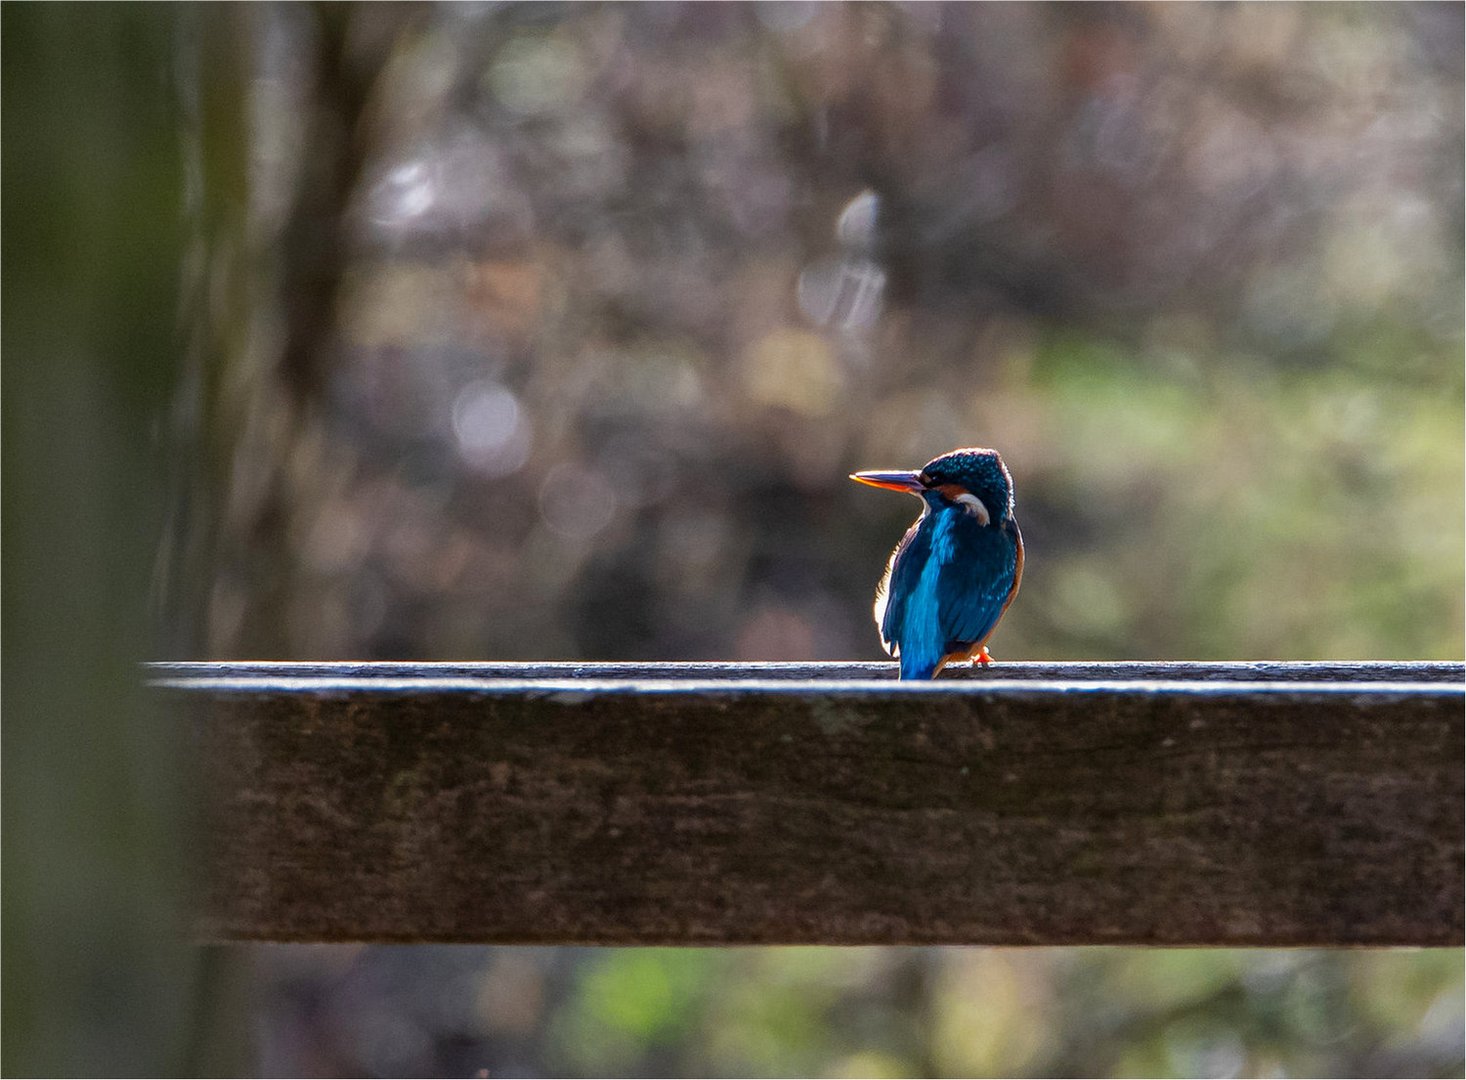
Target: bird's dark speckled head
975, 470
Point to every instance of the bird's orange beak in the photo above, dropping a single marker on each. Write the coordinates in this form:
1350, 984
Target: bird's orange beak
894, 481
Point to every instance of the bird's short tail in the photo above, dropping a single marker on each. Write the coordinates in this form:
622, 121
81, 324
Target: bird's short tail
916, 666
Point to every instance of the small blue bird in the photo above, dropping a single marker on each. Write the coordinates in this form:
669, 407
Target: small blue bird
957, 568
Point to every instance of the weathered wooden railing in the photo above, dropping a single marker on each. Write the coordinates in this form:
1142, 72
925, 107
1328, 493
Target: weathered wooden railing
1219, 804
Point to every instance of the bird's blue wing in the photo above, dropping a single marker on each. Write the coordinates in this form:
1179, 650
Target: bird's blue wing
975, 584
945, 589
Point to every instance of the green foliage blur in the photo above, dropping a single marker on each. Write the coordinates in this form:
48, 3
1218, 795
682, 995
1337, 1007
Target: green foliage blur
519, 331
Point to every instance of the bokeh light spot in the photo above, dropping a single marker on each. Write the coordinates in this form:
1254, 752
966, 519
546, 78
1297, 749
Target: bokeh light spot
492, 432
856, 225
406, 192
844, 293
794, 369
576, 502
538, 76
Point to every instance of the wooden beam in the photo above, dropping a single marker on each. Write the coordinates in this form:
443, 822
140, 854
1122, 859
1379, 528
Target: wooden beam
1170, 804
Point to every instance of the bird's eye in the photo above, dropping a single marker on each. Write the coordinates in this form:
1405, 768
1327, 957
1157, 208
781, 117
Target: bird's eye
974, 506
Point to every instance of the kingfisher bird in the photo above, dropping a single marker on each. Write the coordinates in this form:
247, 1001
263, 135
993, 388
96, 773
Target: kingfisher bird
957, 569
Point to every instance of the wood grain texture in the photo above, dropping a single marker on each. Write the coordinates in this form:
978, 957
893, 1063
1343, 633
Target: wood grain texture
1029, 804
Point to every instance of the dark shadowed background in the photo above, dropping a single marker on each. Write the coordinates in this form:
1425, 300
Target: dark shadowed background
507, 331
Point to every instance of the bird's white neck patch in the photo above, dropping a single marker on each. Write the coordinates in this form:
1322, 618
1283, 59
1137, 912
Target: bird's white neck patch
974, 506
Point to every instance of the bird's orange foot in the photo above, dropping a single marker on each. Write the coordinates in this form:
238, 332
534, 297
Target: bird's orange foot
983, 656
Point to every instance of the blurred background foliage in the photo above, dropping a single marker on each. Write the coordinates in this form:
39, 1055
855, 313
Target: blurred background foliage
514, 331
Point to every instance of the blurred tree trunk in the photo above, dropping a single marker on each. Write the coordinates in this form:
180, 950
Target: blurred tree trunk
270, 249
99, 978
